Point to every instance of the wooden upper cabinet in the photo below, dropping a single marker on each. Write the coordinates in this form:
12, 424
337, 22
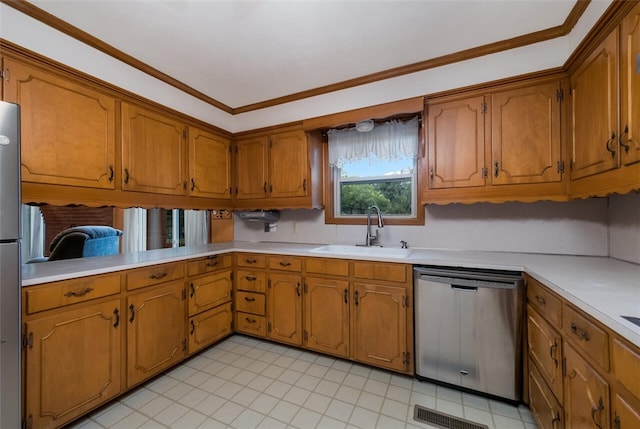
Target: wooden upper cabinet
630, 87
456, 141
68, 129
594, 99
525, 135
153, 152
288, 165
209, 165
252, 157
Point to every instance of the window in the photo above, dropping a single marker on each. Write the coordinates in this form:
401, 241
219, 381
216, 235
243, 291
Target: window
377, 167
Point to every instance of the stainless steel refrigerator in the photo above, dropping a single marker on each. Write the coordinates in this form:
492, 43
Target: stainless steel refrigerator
10, 233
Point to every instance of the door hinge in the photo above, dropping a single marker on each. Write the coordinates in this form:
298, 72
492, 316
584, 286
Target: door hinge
184, 134
269, 283
269, 326
564, 367
184, 294
231, 275
485, 172
184, 345
560, 95
305, 288
560, 167
4, 74
27, 341
28, 424
406, 301
405, 359
483, 108
305, 336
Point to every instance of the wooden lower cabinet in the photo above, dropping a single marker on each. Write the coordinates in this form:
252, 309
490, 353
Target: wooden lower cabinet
208, 327
379, 325
284, 308
545, 350
326, 316
625, 414
73, 363
155, 330
549, 414
586, 397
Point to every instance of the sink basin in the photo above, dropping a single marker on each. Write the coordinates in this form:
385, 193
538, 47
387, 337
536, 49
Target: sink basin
352, 250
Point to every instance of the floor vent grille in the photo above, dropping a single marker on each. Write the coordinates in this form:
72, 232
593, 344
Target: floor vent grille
441, 420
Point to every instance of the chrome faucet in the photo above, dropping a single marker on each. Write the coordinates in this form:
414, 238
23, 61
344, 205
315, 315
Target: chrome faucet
372, 238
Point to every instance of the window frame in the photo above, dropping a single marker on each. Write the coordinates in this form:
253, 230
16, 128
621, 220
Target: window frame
330, 186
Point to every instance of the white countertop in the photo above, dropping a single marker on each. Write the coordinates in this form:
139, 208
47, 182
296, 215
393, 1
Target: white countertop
604, 288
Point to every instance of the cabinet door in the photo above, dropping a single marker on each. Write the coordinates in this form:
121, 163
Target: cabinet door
544, 405
594, 102
252, 165
208, 327
288, 165
284, 308
209, 165
525, 136
155, 331
625, 415
456, 142
326, 315
68, 130
379, 325
153, 152
630, 87
586, 400
209, 291
545, 350
72, 363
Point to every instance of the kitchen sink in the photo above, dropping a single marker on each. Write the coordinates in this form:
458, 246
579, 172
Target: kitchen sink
353, 250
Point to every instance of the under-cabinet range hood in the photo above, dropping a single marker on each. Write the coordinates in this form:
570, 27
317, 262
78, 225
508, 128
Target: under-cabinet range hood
266, 216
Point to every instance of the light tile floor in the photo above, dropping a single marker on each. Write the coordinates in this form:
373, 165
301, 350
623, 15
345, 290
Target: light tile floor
246, 383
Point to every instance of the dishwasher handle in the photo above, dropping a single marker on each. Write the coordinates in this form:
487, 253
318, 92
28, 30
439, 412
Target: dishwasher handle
474, 283
464, 288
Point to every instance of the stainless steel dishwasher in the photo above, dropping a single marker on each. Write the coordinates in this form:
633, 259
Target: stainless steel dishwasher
468, 326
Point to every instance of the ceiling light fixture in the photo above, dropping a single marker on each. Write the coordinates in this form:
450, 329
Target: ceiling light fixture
365, 126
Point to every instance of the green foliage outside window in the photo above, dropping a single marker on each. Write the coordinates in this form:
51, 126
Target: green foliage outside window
393, 196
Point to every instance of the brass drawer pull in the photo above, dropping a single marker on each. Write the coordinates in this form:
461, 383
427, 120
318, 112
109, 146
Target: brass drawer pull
158, 276
251, 278
285, 263
250, 320
584, 335
251, 261
77, 294
193, 290
246, 298
193, 327
540, 300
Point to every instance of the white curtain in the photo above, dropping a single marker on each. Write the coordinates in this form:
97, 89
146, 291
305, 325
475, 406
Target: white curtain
32, 233
134, 234
196, 227
391, 140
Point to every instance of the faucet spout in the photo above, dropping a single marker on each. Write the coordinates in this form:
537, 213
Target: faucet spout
373, 237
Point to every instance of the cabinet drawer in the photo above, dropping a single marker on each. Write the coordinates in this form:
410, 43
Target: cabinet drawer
251, 324
252, 281
334, 267
380, 271
586, 335
250, 302
251, 260
626, 365
154, 275
545, 302
209, 291
67, 292
208, 264
286, 263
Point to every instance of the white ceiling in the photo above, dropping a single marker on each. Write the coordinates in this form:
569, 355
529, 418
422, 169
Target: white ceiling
241, 52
